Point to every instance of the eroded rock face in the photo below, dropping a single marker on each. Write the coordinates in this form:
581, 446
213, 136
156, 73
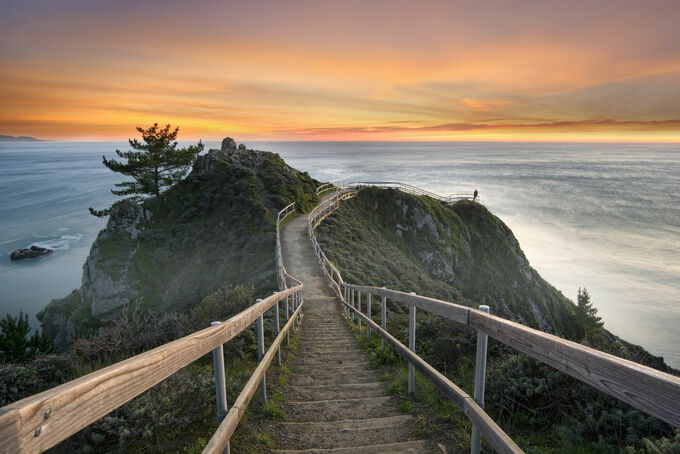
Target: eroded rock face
55, 320
105, 282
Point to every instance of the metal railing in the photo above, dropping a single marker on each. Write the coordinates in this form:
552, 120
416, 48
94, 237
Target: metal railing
39, 422
652, 391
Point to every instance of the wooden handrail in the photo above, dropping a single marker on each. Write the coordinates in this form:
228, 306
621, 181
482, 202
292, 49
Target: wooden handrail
497, 437
278, 255
220, 438
39, 422
652, 391
323, 188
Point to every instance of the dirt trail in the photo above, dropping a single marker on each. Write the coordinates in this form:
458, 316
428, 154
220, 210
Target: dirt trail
334, 401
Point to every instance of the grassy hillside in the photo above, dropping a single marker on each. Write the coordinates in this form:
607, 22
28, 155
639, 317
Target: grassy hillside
461, 253
217, 226
464, 254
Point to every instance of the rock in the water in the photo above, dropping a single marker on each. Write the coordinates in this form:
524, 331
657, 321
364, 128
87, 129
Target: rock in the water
31, 253
228, 144
242, 147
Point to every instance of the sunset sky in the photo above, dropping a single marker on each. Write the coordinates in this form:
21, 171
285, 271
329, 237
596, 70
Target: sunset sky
342, 70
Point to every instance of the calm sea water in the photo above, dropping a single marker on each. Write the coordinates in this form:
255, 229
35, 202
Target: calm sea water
603, 216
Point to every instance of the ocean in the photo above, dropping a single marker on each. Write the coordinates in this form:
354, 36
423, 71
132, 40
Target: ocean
601, 216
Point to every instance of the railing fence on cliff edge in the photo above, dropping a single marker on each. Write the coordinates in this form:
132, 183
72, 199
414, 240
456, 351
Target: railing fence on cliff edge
649, 390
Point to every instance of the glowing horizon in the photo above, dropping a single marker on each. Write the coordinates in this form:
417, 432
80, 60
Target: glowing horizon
305, 70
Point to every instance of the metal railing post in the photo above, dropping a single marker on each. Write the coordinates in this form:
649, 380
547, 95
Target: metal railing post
277, 327
383, 320
344, 308
359, 308
368, 311
285, 307
260, 353
220, 385
480, 378
352, 297
411, 345
293, 308
299, 303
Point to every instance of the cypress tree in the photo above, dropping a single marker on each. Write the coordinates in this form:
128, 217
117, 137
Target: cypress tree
588, 319
154, 164
15, 346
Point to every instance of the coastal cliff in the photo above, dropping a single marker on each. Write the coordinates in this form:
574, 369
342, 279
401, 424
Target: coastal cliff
461, 253
216, 226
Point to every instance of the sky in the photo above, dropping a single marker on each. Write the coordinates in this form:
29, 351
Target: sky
342, 69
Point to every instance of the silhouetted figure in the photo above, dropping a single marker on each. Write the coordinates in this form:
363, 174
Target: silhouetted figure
475, 195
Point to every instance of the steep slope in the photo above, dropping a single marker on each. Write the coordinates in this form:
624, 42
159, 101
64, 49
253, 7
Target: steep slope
460, 253
216, 226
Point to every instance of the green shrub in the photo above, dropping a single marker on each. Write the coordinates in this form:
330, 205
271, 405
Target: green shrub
16, 345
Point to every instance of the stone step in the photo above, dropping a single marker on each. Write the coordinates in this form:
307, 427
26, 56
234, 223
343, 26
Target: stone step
329, 347
327, 333
329, 351
407, 447
334, 392
320, 341
341, 434
322, 371
338, 410
318, 377
338, 363
326, 358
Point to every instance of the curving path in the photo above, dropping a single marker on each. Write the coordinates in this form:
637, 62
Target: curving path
334, 401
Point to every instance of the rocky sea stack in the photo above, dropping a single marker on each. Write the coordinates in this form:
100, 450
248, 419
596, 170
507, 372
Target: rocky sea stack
30, 253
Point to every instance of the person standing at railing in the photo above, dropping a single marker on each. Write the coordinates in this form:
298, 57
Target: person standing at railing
475, 195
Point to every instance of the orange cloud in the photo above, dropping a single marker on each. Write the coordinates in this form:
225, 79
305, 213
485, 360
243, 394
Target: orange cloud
378, 70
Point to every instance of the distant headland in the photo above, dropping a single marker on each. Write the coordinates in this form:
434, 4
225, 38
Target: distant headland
4, 138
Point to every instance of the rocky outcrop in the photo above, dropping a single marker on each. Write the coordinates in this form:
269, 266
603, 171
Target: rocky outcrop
30, 253
228, 144
240, 157
105, 273
56, 319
